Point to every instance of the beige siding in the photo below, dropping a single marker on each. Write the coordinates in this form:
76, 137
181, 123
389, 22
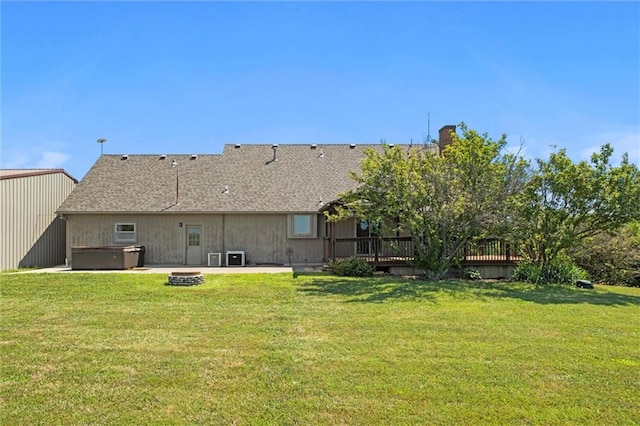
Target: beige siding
263, 237
32, 234
345, 229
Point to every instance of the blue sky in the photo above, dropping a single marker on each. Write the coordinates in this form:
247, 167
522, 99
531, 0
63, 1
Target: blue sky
189, 77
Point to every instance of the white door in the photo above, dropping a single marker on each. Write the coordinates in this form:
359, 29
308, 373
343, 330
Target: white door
194, 247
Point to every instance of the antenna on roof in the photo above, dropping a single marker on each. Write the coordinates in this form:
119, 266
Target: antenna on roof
428, 140
101, 141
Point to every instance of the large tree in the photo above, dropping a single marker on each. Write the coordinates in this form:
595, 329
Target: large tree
563, 203
442, 201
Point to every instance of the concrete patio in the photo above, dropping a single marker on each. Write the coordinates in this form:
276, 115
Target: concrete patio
167, 269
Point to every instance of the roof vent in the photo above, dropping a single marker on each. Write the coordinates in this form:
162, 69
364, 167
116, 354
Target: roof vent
352, 146
314, 146
236, 146
194, 156
163, 157
321, 154
274, 147
125, 157
225, 190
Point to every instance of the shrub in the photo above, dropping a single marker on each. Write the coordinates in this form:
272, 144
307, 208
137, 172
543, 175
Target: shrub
472, 274
556, 272
526, 272
351, 267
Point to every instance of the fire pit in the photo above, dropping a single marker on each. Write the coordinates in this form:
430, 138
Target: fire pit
186, 278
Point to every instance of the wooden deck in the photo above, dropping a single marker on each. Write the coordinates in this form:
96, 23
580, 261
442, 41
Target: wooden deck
398, 251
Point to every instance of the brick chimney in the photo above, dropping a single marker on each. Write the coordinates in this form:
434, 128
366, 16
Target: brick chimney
444, 138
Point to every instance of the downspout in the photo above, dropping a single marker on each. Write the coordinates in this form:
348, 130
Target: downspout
67, 239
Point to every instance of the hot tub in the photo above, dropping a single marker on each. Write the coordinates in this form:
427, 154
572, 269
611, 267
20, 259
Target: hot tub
106, 257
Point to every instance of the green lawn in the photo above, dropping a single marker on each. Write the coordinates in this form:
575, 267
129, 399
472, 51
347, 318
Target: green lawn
315, 349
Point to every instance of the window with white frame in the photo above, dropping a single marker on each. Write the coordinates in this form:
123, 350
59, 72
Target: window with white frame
125, 233
303, 226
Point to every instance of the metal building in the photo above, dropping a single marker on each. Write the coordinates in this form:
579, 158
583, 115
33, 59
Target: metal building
31, 232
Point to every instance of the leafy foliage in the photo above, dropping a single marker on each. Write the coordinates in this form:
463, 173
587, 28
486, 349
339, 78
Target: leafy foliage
472, 274
612, 259
474, 190
351, 267
441, 201
563, 203
556, 272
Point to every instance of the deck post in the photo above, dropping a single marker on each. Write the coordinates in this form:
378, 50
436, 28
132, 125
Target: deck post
375, 249
325, 249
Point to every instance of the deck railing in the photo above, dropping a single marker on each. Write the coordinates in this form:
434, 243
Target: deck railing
399, 250
490, 250
372, 249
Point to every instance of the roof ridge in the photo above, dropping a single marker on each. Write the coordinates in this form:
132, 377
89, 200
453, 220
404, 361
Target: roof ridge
314, 143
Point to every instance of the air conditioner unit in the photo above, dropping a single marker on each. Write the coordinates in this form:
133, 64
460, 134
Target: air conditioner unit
214, 259
235, 258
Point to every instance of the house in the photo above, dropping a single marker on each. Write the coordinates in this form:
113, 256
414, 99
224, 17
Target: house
252, 204
32, 233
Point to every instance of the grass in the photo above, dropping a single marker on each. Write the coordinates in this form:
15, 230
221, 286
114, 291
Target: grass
315, 349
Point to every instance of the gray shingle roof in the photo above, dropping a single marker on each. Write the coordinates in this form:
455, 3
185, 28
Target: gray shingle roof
298, 181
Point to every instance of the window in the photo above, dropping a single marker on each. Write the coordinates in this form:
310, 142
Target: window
193, 236
125, 232
303, 226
